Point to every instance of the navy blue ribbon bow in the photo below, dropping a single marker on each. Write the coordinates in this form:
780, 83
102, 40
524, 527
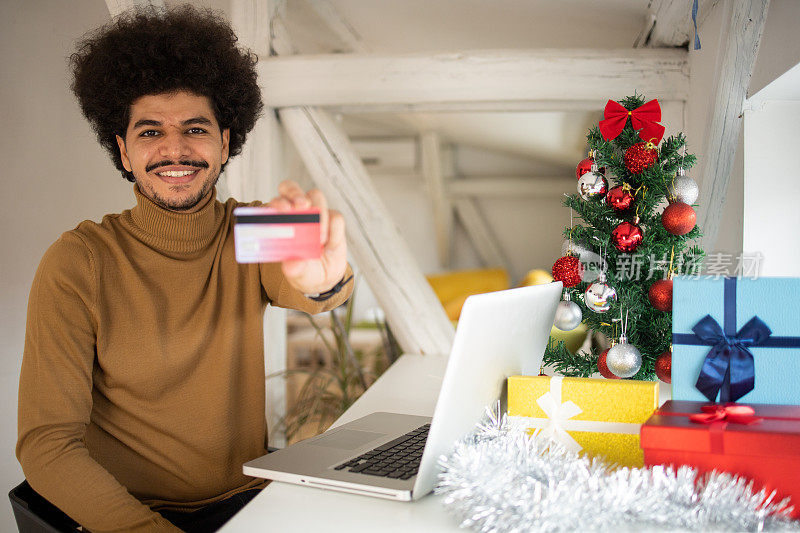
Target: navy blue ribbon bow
729, 356
729, 367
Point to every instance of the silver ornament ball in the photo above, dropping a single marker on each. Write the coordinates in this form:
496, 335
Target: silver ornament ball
599, 296
624, 359
592, 185
568, 315
684, 189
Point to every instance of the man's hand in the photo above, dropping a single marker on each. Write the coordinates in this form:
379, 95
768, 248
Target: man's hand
314, 276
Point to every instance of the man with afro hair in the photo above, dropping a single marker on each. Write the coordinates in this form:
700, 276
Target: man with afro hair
142, 382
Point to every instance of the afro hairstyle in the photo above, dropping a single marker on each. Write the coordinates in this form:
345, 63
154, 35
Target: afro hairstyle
149, 51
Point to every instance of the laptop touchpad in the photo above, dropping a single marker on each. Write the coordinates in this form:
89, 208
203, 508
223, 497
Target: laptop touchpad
347, 439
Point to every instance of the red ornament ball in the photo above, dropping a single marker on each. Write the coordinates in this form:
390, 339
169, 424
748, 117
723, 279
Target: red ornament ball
619, 198
664, 367
678, 218
602, 366
660, 295
640, 157
568, 270
627, 237
585, 166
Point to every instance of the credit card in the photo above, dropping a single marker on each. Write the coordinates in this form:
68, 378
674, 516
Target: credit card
264, 235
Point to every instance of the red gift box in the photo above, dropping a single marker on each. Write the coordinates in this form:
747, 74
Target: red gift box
764, 446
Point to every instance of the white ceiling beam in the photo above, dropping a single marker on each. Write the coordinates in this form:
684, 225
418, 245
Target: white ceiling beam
672, 22
117, 7
469, 107
339, 25
738, 50
431, 152
387, 155
510, 187
473, 78
415, 314
480, 234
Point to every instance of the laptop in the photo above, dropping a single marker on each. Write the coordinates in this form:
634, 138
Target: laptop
395, 456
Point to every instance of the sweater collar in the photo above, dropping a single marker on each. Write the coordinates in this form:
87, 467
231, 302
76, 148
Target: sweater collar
173, 231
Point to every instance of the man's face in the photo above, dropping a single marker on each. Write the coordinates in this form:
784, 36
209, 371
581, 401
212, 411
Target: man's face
174, 148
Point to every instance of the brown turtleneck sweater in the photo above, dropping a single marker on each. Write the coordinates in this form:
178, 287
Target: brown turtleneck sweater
142, 383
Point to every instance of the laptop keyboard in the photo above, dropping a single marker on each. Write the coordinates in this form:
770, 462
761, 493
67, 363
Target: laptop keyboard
398, 459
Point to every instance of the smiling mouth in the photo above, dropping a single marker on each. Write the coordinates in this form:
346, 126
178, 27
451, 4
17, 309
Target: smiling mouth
177, 177
175, 173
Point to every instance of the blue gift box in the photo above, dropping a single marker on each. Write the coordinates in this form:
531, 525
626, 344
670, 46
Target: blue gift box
736, 340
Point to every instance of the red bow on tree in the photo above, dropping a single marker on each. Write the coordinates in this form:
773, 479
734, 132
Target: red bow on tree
733, 413
644, 119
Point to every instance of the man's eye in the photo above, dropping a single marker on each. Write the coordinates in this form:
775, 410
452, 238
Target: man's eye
148, 133
196, 130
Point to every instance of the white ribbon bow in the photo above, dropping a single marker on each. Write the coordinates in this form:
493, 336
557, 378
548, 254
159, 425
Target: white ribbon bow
557, 415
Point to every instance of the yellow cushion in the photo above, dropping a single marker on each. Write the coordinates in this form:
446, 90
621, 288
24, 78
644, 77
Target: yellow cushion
453, 288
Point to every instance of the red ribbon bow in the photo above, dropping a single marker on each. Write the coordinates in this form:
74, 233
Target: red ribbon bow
643, 119
733, 413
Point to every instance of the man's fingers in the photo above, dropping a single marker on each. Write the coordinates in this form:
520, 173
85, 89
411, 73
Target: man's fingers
294, 193
280, 203
336, 235
318, 200
294, 268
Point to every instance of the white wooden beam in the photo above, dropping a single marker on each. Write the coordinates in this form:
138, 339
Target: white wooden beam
514, 187
251, 21
738, 53
472, 107
254, 175
387, 155
431, 156
480, 234
416, 316
339, 25
117, 7
673, 21
474, 78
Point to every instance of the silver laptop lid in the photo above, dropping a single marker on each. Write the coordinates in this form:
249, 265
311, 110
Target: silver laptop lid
499, 334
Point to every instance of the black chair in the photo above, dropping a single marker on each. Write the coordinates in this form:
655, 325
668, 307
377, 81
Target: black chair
34, 514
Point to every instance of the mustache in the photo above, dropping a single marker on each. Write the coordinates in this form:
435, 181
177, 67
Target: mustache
166, 163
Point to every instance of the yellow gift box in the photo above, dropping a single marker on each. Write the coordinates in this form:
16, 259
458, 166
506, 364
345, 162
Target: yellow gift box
601, 417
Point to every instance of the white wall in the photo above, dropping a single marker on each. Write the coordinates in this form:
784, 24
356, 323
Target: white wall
779, 51
780, 45
771, 187
54, 175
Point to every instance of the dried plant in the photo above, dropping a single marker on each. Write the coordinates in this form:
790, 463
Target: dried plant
328, 390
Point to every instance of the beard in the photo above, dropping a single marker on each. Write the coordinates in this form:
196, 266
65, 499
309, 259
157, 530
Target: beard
179, 202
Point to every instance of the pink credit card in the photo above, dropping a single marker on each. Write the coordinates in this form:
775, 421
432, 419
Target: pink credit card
264, 235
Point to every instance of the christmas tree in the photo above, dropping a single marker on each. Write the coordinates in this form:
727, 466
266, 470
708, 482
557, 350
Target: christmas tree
630, 238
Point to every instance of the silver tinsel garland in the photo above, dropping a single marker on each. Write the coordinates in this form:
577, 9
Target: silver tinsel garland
499, 479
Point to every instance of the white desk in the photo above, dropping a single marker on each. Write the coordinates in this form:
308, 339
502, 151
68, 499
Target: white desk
410, 386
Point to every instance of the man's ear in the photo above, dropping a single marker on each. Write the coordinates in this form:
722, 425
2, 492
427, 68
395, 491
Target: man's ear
123, 154
226, 137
